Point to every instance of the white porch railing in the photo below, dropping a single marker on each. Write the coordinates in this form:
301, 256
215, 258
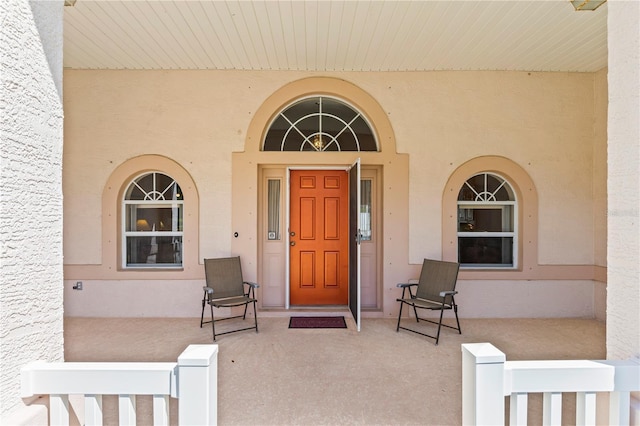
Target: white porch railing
487, 377
193, 380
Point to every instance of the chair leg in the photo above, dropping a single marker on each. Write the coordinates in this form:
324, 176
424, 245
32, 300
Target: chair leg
213, 324
399, 316
202, 314
244, 316
415, 311
455, 311
439, 326
255, 316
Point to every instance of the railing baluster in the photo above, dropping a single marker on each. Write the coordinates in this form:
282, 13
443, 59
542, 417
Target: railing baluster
627, 380
59, 410
161, 410
619, 403
518, 409
552, 409
127, 410
586, 408
93, 410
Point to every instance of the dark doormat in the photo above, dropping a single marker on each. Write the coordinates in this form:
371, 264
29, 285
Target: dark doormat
317, 322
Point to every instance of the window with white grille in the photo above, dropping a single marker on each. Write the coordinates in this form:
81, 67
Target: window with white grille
487, 222
152, 222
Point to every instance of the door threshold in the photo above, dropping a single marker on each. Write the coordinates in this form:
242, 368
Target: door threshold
318, 307
337, 310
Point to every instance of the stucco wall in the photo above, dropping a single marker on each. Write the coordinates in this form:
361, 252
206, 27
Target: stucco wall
31, 305
623, 303
535, 119
440, 120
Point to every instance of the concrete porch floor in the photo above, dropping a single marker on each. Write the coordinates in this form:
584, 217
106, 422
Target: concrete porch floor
332, 376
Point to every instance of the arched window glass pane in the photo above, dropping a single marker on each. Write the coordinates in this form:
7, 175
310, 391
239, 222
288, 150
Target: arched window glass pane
487, 214
153, 222
320, 124
486, 187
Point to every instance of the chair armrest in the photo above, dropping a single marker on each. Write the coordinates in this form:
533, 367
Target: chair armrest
448, 293
208, 289
253, 285
405, 285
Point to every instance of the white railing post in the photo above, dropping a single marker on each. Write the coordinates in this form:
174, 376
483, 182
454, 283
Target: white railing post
482, 384
198, 385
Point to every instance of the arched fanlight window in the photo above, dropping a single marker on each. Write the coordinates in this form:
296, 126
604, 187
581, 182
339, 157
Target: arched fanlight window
319, 124
152, 213
487, 222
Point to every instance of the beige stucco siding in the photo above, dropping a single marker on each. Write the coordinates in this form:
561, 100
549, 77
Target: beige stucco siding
543, 123
537, 120
196, 118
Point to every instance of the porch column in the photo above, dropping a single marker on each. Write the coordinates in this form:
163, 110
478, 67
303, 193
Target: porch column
31, 303
623, 247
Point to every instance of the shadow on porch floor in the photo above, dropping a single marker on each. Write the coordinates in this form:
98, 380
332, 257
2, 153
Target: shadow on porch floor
282, 376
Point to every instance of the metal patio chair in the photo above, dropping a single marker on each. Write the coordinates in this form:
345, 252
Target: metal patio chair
435, 291
226, 289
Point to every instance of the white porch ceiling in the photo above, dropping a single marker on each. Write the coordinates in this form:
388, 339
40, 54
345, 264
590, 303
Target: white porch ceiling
335, 35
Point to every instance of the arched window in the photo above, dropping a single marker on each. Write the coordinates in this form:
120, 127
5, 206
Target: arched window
152, 217
487, 215
320, 124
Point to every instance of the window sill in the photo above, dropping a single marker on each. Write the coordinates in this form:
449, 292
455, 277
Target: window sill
153, 268
489, 268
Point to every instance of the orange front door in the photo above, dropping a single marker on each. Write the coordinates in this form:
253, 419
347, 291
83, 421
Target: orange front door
319, 237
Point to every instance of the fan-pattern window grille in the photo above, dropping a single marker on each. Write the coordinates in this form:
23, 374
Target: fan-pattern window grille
320, 124
487, 222
152, 212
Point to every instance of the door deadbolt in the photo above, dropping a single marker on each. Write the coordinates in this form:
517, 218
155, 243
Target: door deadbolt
292, 233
